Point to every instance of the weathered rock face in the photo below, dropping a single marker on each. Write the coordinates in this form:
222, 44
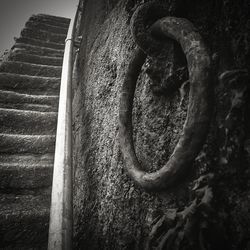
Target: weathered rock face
110, 211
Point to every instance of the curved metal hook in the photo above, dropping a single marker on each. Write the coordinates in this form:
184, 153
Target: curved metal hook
199, 109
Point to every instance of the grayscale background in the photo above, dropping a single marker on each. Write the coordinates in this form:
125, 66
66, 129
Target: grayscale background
14, 14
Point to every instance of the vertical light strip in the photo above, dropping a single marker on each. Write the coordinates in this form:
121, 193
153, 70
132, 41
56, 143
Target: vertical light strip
61, 212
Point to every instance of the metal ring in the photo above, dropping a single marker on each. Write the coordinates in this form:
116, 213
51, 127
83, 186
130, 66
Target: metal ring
199, 109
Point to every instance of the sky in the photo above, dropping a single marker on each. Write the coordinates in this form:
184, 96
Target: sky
15, 13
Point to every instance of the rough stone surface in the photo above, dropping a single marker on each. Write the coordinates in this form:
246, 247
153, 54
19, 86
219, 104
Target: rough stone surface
29, 84
21, 56
38, 50
26, 219
30, 69
43, 35
46, 27
36, 171
16, 100
110, 211
55, 20
27, 122
31, 41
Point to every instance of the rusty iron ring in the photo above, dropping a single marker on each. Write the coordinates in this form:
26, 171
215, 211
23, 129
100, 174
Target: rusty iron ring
143, 17
199, 108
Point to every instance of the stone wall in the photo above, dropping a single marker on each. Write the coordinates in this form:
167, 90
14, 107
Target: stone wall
110, 211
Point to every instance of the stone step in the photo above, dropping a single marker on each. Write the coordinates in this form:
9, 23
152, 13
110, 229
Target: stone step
30, 69
30, 84
22, 56
43, 35
48, 20
11, 99
28, 106
26, 191
24, 221
52, 17
25, 171
46, 27
33, 144
29, 88
29, 159
37, 42
37, 50
14, 121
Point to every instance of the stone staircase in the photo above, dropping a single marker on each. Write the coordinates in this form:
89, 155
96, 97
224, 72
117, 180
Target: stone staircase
29, 89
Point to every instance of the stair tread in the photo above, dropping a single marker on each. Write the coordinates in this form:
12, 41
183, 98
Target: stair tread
7, 96
43, 35
37, 50
13, 204
40, 56
63, 19
24, 112
26, 136
24, 220
54, 22
21, 45
25, 68
37, 42
30, 64
15, 121
21, 56
60, 18
27, 77
28, 177
29, 106
45, 32
29, 84
37, 46
46, 27
21, 143
27, 121
20, 101
51, 19
26, 159
17, 165
25, 171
